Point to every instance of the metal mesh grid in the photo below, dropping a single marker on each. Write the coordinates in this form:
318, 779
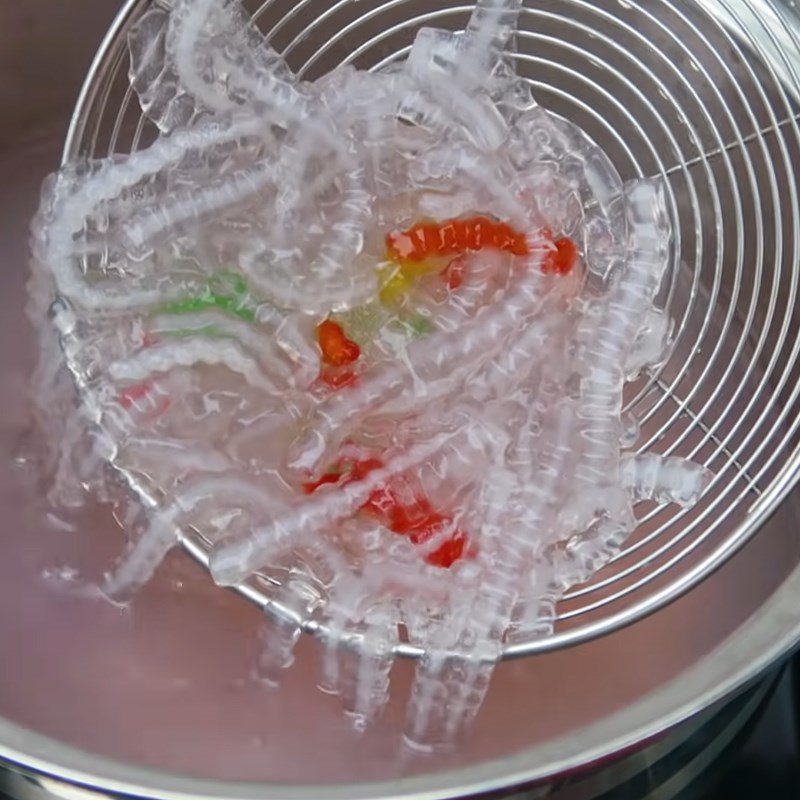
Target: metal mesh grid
705, 93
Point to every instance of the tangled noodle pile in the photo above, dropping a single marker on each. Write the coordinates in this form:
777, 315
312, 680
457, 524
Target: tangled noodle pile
368, 336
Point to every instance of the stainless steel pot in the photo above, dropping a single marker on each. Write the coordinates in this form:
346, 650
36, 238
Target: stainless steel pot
94, 701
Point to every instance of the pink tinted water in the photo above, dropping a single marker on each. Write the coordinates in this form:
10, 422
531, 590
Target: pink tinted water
166, 682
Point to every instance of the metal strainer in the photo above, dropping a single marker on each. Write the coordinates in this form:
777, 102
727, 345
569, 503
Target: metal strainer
706, 94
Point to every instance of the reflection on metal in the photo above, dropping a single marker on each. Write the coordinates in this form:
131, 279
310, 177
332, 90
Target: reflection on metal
659, 771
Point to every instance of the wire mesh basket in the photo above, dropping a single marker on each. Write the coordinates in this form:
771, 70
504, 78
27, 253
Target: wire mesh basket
705, 94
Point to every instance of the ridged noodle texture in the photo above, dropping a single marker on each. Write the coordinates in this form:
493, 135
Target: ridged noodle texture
343, 331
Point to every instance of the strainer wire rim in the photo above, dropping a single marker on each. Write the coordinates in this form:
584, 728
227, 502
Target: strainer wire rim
756, 515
